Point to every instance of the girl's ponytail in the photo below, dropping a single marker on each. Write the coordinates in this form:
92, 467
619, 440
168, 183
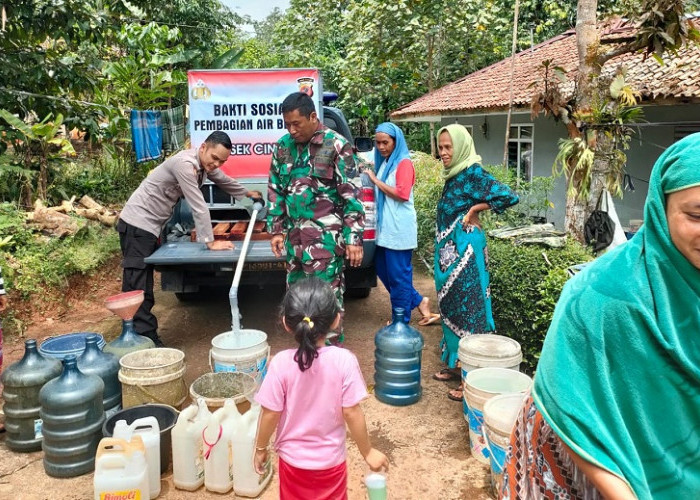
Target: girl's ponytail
303, 334
309, 310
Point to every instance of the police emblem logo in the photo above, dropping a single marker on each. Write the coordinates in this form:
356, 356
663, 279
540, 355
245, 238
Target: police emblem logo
200, 91
306, 85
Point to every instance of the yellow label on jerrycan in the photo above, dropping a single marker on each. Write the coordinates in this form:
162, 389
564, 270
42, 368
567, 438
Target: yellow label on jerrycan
121, 470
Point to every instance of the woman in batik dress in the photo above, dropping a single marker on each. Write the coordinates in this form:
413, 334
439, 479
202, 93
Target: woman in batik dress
461, 256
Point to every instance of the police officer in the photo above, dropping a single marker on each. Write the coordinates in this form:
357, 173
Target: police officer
151, 205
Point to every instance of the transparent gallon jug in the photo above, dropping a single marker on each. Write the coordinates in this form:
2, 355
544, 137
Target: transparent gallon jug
397, 362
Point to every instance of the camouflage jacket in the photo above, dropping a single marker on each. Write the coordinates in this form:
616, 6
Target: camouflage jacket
311, 199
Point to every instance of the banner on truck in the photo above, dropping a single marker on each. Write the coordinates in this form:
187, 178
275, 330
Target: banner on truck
246, 105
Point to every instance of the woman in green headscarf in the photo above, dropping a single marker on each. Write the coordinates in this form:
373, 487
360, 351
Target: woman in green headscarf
461, 257
617, 389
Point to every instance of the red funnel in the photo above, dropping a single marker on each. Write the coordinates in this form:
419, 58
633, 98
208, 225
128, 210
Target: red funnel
125, 304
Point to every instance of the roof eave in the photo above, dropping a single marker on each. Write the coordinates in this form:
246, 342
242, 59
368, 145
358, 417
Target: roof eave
432, 117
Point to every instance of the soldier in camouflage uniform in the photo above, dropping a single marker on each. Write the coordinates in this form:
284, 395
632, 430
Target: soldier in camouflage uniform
314, 214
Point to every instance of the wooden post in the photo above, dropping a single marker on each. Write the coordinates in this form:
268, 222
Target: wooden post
512, 76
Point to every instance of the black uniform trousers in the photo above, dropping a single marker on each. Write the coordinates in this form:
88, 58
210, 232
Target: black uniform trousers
136, 245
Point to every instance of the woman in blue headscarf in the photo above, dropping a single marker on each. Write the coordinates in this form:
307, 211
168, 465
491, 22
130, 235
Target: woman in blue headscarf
397, 231
615, 408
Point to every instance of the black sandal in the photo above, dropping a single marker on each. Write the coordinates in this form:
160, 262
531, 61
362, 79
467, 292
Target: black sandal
452, 396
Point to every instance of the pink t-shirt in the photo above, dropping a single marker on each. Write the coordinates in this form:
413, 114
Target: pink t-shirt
311, 431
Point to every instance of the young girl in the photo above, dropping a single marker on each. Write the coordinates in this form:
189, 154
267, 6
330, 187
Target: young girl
308, 395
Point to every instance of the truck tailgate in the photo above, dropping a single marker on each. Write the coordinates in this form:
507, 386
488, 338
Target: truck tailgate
185, 252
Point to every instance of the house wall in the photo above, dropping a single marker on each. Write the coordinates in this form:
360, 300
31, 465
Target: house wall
647, 144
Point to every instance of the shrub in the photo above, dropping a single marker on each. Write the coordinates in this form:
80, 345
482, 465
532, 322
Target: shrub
426, 194
14, 233
109, 179
526, 280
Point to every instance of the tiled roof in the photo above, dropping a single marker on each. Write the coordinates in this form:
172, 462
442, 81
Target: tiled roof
489, 88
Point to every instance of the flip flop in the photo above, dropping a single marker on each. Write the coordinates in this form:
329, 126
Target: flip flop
452, 396
429, 320
450, 375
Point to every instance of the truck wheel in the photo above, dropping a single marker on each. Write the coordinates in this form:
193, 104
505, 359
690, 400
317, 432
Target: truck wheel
357, 293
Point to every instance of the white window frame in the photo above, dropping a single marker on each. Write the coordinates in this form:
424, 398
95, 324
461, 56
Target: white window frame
470, 128
519, 140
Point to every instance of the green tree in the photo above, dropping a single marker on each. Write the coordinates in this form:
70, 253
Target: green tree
382, 55
50, 49
597, 114
52, 53
38, 146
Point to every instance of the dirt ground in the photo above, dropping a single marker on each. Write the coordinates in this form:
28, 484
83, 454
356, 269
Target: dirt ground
427, 443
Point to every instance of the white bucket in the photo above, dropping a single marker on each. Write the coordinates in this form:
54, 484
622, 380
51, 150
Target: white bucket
483, 350
243, 351
481, 385
500, 415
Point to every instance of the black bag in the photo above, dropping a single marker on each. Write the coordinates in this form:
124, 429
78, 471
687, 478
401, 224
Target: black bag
599, 229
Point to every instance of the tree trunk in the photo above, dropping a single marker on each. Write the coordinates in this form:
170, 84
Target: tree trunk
510, 92
26, 190
587, 42
577, 210
43, 178
431, 60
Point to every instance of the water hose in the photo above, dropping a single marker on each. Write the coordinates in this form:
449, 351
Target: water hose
233, 292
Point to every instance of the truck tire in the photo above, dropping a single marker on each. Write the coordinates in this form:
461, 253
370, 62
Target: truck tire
358, 293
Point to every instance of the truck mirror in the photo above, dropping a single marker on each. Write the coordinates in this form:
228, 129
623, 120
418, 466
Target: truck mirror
363, 144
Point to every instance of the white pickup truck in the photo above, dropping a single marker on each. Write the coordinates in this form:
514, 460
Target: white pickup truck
245, 103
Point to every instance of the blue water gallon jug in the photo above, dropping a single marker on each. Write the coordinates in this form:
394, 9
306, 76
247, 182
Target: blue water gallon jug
105, 365
72, 414
397, 361
22, 382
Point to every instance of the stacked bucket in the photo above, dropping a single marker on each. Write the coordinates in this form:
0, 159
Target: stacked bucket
494, 391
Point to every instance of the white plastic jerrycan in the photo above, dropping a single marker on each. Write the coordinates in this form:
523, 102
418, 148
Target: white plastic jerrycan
186, 436
149, 431
247, 482
121, 470
218, 459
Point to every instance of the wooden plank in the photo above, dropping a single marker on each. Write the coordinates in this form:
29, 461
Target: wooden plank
239, 227
221, 228
253, 237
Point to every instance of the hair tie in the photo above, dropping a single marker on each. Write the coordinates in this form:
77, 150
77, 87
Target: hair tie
308, 320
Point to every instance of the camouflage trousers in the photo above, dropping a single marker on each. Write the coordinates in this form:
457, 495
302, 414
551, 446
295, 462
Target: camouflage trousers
330, 271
